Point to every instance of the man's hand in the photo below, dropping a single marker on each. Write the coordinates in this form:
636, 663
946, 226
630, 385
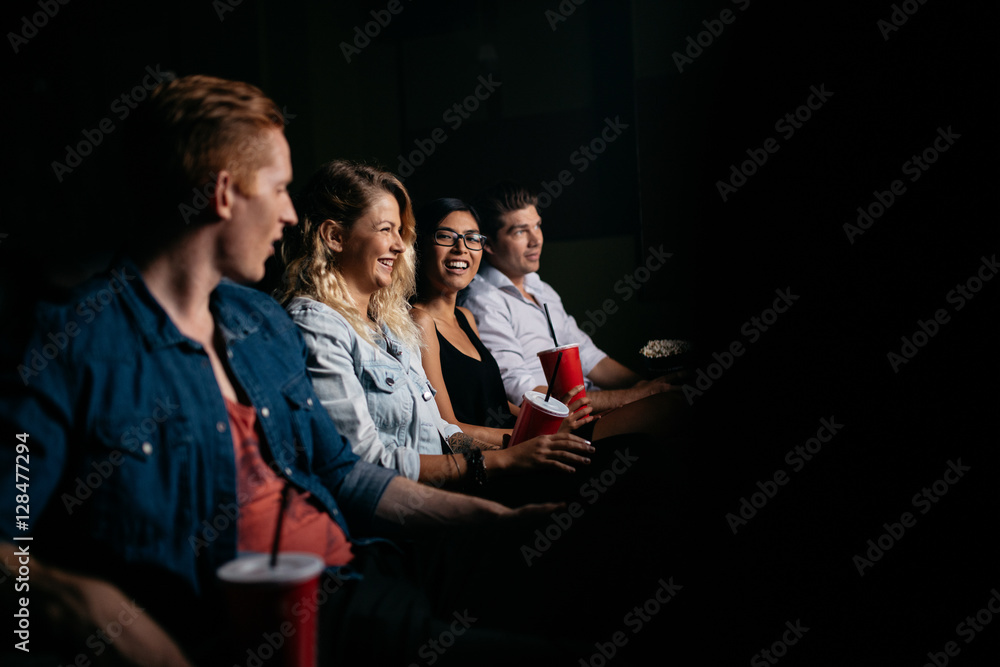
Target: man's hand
655, 386
75, 608
530, 512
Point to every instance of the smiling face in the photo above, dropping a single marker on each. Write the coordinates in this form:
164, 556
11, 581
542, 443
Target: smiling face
259, 215
452, 269
366, 252
517, 249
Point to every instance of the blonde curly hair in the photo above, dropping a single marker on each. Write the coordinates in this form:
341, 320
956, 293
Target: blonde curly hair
342, 191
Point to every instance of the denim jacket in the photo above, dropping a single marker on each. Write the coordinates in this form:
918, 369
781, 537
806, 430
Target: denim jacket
129, 454
378, 396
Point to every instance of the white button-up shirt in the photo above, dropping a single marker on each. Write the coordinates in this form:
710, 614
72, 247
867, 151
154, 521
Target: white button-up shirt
514, 328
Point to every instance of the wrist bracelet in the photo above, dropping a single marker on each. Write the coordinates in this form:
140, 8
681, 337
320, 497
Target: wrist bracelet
476, 467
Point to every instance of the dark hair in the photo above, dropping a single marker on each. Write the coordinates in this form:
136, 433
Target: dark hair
496, 201
429, 216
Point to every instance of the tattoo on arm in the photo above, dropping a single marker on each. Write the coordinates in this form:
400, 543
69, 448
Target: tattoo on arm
463, 442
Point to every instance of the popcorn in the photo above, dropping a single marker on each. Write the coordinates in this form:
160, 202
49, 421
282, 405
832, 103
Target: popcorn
665, 348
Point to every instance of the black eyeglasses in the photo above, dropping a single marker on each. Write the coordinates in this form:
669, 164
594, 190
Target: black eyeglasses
448, 239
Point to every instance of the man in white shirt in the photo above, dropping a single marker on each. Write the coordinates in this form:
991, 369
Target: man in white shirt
508, 299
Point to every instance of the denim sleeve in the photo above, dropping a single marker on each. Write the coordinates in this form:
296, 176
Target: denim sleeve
496, 330
361, 492
331, 365
35, 402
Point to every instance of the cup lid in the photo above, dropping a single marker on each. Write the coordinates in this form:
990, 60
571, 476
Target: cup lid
255, 568
553, 407
558, 349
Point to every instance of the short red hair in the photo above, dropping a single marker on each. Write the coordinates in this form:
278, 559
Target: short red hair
213, 124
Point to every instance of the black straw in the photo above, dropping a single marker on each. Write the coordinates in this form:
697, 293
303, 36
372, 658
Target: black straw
555, 369
548, 319
281, 518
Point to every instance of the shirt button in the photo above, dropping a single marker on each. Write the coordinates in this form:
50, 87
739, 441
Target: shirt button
147, 448
390, 381
309, 402
264, 412
288, 471
220, 427
229, 353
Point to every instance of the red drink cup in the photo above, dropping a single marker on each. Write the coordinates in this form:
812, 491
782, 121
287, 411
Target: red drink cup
273, 611
570, 373
537, 417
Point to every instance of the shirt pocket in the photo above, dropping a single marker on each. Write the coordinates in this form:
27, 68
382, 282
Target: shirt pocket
134, 487
421, 385
297, 445
390, 403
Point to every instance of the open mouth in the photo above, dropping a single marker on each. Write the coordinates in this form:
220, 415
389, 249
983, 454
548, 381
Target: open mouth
456, 264
386, 263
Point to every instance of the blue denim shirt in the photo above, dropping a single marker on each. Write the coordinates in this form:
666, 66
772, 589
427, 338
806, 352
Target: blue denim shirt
130, 457
378, 394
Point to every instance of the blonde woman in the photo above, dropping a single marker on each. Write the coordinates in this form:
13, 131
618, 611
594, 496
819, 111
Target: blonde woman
350, 270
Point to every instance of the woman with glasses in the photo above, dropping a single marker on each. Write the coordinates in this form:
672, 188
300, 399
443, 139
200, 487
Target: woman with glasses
470, 388
349, 272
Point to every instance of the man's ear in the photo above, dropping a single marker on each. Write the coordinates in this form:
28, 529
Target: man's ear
224, 196
332, 234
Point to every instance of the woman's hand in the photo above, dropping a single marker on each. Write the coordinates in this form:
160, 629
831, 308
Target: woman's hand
579, 411
560, 451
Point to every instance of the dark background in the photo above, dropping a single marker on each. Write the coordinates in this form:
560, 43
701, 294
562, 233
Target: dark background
656, 184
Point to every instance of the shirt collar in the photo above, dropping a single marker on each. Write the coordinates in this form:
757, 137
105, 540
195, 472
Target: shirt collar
153, 323
494, 277
155, 326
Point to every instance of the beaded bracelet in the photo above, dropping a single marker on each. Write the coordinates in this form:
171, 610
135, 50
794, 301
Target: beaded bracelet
476, 466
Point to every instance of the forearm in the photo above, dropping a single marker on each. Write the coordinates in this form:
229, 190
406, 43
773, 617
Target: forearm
609, 374
609, 399
462, 442
452, 470
407, 505
441, 470
490, 437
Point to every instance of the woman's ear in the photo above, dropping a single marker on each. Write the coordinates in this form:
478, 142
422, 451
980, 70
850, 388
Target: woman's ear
332, 234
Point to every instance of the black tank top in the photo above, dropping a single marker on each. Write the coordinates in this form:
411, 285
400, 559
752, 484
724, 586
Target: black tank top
475, 387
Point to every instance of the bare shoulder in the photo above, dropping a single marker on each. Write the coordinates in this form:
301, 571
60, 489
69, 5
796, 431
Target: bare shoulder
421, 317
424, 322
470, 318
